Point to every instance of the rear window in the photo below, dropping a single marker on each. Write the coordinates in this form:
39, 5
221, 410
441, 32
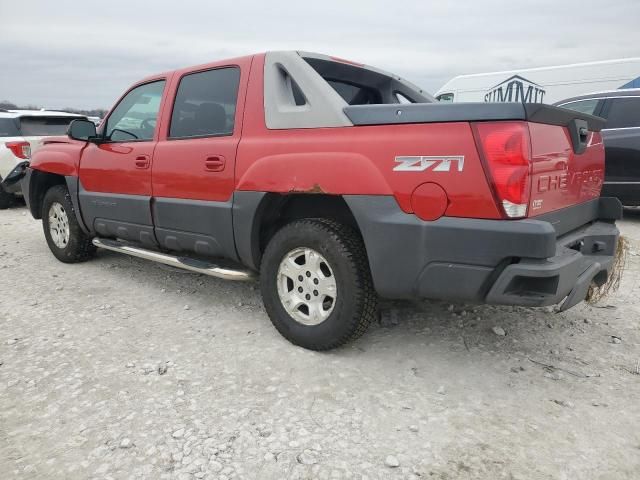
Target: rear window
403, 98
44, 126
9, 127
355, 94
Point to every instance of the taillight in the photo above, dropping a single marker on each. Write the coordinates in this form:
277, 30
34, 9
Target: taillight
506, 150
20, 149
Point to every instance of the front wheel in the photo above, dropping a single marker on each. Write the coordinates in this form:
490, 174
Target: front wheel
65, 238
316, 284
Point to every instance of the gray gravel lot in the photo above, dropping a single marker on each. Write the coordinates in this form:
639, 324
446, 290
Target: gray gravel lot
120, 368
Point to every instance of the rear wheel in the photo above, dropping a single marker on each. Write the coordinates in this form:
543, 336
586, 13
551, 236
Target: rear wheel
65, 238
316, 284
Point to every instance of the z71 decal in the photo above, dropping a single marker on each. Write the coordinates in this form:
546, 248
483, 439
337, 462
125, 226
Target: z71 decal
435, 164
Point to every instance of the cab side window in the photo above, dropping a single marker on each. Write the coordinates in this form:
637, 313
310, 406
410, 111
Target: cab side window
623, 112
205, 104
136, 115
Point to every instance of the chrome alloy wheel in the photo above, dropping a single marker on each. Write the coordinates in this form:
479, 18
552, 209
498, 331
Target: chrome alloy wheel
306, 286
59, 225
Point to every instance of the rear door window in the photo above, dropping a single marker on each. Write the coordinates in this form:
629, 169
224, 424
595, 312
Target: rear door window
623, 112
41, 126
205, 104
9, 127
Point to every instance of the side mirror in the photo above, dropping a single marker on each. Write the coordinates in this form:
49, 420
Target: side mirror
84, 130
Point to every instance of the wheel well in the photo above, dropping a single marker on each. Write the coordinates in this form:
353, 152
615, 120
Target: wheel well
41, 182
278, 210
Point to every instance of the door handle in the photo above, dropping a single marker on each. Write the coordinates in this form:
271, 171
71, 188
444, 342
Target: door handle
142, 161
214, 163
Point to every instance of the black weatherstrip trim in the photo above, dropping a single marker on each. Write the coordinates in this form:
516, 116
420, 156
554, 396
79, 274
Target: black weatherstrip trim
467, 112
117, 215
247, 208
72, 185
114, 206
201, 226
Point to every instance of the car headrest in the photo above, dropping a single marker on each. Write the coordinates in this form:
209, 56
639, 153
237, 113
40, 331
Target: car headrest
211, 117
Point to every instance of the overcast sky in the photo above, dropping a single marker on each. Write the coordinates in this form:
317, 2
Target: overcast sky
83, 54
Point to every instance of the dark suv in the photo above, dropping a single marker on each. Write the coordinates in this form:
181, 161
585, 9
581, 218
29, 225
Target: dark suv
621, 136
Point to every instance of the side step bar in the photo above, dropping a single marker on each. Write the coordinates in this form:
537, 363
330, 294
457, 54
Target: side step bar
184, 263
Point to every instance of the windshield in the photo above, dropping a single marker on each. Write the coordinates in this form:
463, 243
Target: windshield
9, 127
445, 97
44, 126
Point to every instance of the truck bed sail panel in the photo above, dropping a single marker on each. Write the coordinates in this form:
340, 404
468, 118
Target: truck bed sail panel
467, 112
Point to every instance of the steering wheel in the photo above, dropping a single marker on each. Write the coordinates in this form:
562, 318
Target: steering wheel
148, 125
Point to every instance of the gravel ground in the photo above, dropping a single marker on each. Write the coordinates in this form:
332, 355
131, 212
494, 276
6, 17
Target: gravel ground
120, 368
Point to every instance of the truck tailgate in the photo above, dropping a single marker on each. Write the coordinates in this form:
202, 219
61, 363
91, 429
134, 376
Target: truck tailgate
560, 175
564, 165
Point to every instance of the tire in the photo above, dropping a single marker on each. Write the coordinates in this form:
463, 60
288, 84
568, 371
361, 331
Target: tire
65, 238
327, 256
6, 199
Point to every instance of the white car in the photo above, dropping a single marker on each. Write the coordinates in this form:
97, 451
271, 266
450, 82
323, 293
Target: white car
22, 133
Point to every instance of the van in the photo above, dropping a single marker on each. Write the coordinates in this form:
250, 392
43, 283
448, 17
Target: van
542, 85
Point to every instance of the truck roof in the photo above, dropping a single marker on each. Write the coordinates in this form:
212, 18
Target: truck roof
303, 54
310, 90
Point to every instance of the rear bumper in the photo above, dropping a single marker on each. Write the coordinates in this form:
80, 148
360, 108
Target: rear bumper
12, 182
582, 257
532, 262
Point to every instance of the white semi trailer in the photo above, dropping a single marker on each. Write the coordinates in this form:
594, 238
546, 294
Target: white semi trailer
542, 85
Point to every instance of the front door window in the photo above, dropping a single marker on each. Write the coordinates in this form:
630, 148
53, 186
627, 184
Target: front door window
136, 116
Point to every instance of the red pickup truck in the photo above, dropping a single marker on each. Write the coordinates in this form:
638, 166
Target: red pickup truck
338, 183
